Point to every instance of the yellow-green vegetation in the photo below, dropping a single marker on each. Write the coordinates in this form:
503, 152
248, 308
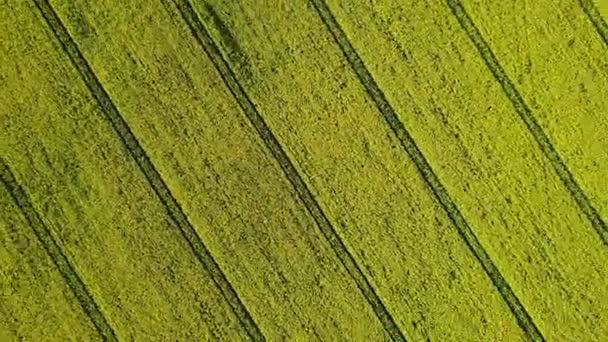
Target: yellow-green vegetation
303, 170
602, 7
558, 62
35, 302
487, 159
372, 193
219, 170
94, 200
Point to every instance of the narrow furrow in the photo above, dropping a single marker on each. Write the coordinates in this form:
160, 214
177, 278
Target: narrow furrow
410, 146
526, 115
202, 36
54, 251
596, 18
146, 166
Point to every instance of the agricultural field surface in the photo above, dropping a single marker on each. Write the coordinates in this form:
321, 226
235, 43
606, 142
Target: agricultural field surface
303, 170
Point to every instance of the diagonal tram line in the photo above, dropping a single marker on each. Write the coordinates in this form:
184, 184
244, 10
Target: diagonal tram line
412, 149
69, 274
596, 19
152, 175
204, 39
525, 114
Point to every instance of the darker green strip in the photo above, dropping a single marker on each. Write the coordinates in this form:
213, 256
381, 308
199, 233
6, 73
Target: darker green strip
409, 144
596, 19
202, 36
54, 251
146, 166
526, 115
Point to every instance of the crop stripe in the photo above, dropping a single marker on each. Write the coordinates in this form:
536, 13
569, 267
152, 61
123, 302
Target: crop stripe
137, 152
596, 19
60, 260
410, 146
526, 115
204, 39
